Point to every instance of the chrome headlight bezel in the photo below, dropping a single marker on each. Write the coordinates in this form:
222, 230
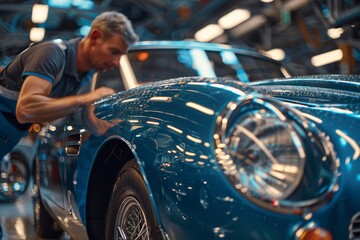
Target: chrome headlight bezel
308, 157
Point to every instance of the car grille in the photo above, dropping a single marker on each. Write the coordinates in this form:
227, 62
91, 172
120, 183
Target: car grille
354, 227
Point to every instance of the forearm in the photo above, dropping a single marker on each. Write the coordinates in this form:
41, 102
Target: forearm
38, 108
35, 105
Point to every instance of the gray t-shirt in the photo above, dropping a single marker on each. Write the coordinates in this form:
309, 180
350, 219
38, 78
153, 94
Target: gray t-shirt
47, 60
44, 60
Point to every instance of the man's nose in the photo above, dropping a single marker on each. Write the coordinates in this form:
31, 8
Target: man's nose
116, 62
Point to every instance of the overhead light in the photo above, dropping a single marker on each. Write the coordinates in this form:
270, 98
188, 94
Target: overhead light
234, 18
266, 1
37, 34
335, 33
208, 33
83, 4
39, 13
327, 58
276, 53
251, 24
60, 3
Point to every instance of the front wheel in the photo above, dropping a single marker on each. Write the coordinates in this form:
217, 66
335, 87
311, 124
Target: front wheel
130, 214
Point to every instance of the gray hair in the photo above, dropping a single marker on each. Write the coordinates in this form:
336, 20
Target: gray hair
114, 22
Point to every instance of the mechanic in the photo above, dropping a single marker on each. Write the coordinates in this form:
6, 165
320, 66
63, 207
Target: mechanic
50, 80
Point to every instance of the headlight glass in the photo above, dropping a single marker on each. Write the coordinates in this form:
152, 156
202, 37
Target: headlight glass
266, 153
273, 156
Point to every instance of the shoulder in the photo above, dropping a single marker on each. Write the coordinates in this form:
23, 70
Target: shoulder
44, 50
45, 59
47, 54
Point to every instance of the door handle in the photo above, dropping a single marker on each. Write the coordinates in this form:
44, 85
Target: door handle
73, 145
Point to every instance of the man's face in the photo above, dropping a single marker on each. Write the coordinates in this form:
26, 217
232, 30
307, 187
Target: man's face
106, 52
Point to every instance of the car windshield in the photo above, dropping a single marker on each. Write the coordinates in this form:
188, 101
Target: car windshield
149, 65
160, 64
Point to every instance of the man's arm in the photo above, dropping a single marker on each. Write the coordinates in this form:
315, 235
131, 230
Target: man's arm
35, 105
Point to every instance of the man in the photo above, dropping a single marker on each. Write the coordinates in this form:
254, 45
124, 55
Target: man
41, 84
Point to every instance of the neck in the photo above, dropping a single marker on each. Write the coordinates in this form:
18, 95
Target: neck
83, 63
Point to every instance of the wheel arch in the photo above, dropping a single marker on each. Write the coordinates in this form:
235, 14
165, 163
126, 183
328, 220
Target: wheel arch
108, 162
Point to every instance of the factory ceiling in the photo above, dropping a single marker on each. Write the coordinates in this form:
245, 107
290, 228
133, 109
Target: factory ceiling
298, 26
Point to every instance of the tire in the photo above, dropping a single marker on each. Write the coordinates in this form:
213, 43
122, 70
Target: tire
130, 205
45, 226
16, 180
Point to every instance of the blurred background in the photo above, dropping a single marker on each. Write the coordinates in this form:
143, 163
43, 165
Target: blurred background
308, 36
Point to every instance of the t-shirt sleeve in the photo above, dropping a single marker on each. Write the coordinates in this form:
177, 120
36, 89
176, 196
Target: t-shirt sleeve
44, 60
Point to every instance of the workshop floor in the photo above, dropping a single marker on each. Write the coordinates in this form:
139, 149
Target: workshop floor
16, 219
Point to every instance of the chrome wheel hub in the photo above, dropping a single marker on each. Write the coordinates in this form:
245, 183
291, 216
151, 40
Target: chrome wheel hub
130, 221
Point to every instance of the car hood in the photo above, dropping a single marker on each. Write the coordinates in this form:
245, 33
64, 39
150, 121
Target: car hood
154, 114
332, 102
337, 94
324, 91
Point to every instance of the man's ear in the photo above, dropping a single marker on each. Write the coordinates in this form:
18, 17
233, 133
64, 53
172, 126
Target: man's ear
94, 35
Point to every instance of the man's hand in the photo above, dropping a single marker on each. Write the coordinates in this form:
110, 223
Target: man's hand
98, 94
97, 126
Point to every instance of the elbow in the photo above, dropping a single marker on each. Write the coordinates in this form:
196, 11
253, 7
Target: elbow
22, 115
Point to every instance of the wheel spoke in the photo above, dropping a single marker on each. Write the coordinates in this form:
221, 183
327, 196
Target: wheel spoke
142, 232
121, 234
131, 220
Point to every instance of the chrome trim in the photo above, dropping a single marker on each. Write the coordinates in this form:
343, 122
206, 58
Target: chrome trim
73, 144
127, 73
355, 221
149, 45
221, 141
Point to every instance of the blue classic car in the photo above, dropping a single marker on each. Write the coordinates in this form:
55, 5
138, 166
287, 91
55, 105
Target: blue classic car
206, 158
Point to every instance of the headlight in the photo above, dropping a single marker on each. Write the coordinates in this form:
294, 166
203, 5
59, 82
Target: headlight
274, 157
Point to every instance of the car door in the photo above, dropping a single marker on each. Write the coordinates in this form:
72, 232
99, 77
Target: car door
60, 144
78, 152
72, 144
51, 166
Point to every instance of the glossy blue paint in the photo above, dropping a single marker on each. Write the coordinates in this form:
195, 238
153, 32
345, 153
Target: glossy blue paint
181, 171
170, 129
178, 191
